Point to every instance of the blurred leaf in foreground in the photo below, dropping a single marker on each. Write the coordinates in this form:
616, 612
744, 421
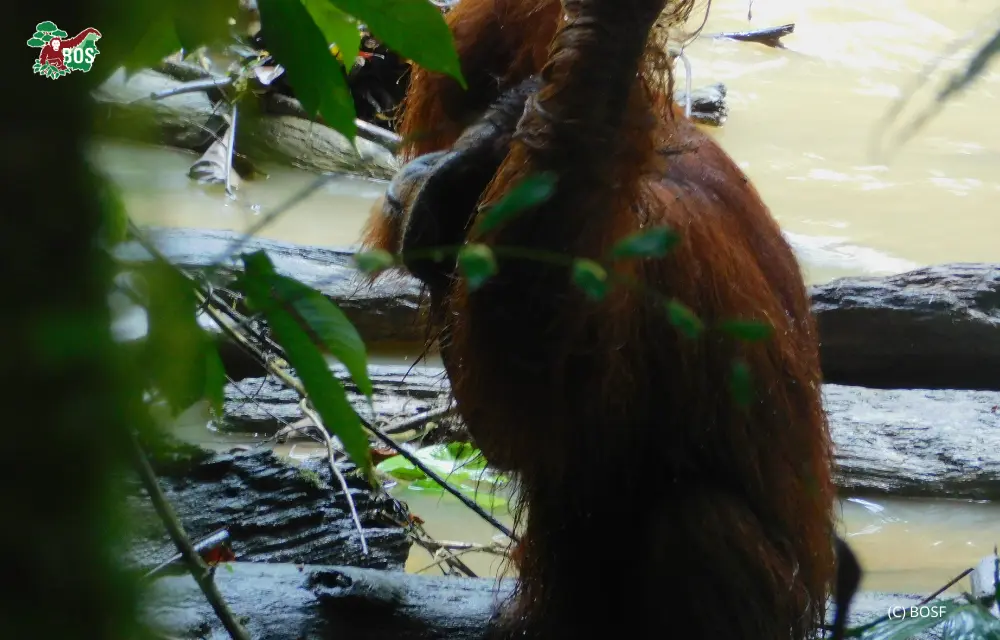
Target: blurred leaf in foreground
181, 357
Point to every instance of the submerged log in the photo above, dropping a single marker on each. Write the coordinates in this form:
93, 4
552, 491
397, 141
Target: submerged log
276, 511
286, 602
935, 327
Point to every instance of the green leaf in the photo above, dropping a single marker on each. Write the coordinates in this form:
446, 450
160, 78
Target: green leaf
157, 41
650, 243
114, 217
316, 77
414, 29
529, 192
337, 27
46, 27
327, 325
462, 454
36, 42
590, 277
740, 383
906, 626
477, 264
682, 317
971, 622
374, 261
325, 392
215, 379
399, 467
177, 348
199, 23
747, 330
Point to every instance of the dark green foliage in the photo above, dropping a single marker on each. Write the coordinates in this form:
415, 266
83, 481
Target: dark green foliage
302, 327
315, 75
415, 29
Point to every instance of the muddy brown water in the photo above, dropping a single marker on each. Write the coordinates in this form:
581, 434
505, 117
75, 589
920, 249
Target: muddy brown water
802, 123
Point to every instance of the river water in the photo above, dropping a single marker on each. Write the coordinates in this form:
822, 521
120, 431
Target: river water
803, 123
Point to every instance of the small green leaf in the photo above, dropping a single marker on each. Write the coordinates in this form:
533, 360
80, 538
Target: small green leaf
46, 27
590, 277
682, 317
325, 392
414, 29
327, 325
399, 467
747, 330
740, 383
649, 243
529, 192
337, 27
36, 42
229, 567
315, 75
374, 261
477, 264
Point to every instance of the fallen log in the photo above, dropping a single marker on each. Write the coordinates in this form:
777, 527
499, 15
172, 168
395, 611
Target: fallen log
288, 602
934, 328
908, 443
276, 131
191, 121
387, 311
263, 405
275, 511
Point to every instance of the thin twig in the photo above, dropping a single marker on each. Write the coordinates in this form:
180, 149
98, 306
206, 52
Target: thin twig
191, 87
304, 405
448, 553
229, 153
945, 587
199, 570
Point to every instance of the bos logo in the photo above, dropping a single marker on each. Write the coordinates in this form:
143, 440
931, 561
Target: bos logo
62, 55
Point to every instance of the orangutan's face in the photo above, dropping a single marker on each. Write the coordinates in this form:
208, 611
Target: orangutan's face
55, 42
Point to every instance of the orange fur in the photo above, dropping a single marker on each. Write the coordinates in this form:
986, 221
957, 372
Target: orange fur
615, 424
